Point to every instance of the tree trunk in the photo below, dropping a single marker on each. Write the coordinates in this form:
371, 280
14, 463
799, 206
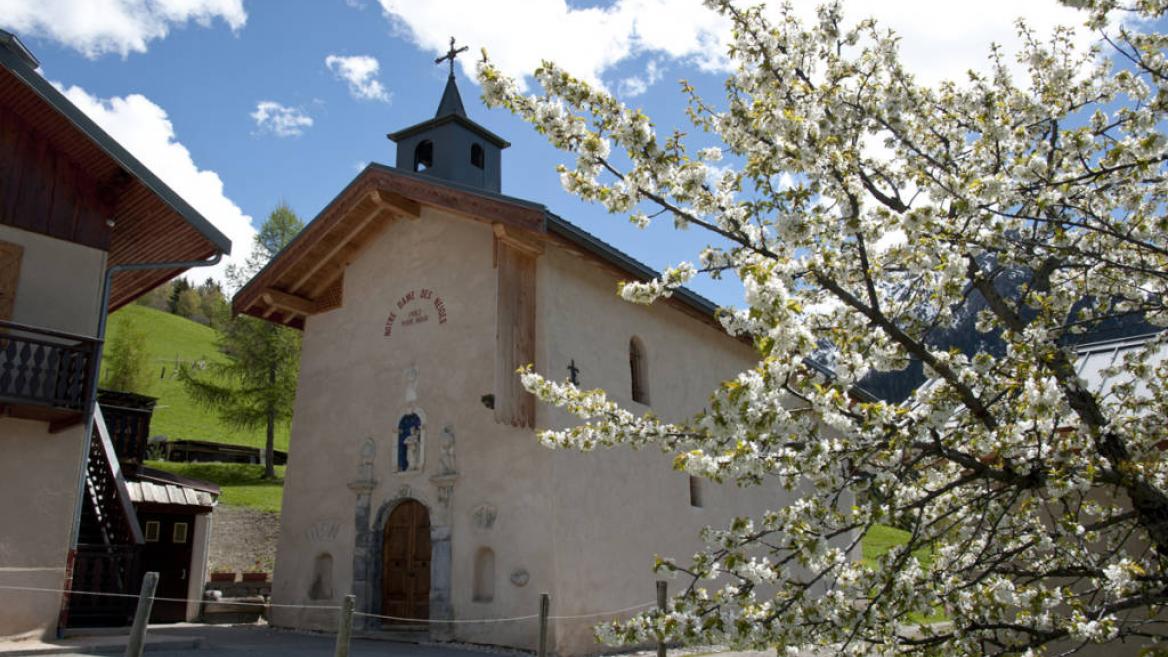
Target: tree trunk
270, 446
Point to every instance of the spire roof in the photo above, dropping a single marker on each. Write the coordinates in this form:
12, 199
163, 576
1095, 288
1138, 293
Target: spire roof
451, 102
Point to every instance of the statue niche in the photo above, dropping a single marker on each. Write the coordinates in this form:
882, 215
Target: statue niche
409, 443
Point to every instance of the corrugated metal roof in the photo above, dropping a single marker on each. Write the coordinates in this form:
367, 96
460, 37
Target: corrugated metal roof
1095, 359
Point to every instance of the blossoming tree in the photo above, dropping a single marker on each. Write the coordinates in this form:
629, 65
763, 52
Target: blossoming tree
1042, 504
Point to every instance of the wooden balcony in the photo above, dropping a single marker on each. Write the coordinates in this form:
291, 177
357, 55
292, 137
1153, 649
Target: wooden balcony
45, 375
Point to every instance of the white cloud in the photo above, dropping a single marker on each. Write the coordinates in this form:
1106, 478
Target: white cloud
635, 85
360, 71
588, 42
144, 129
940, 40
97, 27
279, 120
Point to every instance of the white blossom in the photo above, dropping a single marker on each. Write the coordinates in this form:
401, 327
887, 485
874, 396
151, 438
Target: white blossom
863, 213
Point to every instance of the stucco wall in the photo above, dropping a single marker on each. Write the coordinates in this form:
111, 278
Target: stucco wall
353, 385
616, 509
58, 289
584, 528
40, 488
60, 282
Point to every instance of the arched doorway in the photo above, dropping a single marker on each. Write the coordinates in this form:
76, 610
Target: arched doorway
405, 562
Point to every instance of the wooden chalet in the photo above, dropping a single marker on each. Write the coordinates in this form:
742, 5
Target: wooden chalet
85, 229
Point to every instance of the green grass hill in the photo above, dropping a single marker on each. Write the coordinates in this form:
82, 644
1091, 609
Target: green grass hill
170, 341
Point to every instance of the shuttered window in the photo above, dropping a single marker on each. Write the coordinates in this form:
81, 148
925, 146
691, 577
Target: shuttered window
10, 255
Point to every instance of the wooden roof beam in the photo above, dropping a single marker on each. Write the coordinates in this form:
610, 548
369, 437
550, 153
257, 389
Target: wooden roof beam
513, 239
288, 302
382, 201
406, 207
327, 257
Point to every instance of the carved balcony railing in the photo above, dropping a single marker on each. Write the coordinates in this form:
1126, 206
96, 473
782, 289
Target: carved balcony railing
45, 374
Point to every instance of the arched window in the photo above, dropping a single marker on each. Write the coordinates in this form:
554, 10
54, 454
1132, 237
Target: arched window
322, 578
409, 443
638, 371
484, 575
477, 157
695, 492
424, 155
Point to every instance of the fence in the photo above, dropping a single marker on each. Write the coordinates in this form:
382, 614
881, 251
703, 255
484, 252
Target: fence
346, 611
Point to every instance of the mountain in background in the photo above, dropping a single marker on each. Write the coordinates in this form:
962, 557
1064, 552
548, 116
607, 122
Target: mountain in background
963, 335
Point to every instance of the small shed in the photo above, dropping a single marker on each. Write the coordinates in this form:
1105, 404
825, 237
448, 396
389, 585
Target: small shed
175, 515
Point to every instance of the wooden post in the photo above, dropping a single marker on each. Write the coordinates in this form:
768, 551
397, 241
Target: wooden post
345, 626
545, 603
662, 594
137, 642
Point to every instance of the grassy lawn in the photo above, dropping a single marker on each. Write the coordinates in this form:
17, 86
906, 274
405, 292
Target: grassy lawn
172, 340
242, 483
879, 540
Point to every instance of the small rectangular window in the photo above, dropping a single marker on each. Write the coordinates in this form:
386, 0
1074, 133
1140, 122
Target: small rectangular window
151, 531
180, 533
695, 492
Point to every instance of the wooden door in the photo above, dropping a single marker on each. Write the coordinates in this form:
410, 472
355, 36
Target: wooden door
167, 551
405, 562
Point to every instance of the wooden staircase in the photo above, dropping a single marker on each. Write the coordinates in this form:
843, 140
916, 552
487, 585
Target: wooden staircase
109, 542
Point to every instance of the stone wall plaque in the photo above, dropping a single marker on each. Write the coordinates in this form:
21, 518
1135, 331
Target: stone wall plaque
484, 516
322, 532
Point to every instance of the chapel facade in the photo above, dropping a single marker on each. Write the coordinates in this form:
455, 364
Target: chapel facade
415, 480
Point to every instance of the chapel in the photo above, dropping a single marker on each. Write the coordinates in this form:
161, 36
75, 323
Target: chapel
415, 479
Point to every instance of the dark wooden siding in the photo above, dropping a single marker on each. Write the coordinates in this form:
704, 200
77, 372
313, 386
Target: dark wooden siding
147, 226
45, 191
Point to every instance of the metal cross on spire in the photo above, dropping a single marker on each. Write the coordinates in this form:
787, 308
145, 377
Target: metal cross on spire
451, 54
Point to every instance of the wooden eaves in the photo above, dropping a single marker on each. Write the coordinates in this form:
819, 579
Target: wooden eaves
63, 176
305, 278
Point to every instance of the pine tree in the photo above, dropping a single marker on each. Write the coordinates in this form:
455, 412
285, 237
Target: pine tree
124, 365
256, 385
177, 287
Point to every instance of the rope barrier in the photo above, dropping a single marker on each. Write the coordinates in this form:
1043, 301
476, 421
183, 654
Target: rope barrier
164, 599
452, 620
605, 613
514, 619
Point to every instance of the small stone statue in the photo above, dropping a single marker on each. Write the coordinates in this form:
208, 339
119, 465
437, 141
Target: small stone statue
413, 449
411, 375
365, 469
447, 458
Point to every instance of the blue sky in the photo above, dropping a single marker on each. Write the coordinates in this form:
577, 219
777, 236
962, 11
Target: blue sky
181, 84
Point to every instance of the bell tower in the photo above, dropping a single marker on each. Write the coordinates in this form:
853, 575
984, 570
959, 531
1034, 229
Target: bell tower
450, 146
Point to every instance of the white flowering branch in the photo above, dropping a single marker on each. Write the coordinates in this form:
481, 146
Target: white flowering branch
863, 213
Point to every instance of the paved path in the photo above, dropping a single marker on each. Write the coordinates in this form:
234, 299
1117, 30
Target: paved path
261, 641
195, 640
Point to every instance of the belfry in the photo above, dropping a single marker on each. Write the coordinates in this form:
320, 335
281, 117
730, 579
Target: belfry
450, 146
